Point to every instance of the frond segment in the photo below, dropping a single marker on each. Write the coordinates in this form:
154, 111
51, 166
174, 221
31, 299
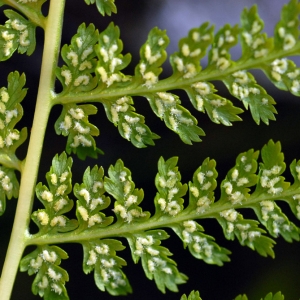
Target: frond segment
105, 7
17, 34
11, 113
50, 278
55, 198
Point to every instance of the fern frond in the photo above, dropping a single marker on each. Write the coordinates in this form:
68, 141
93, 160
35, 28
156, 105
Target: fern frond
11, 113
55, 198
50, 279
91, 199
270, 296
105, 7
73, 123
194, 295
258, 52
18, 33
243, 188
80, 59
100, 257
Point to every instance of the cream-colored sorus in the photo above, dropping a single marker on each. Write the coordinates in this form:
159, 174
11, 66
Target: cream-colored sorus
9, 114
58, 221
230, 215
60, 204
36, 263
49, 256
44, 283
203, 204
43, 218
23, 37
267, 207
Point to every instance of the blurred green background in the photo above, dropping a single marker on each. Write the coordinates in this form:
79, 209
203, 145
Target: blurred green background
247, 272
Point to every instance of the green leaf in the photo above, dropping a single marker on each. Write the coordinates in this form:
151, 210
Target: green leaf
202, 188
9, 187
247, 232
294, 200
286, 30
17, 34
120, 185
241, 297
254, 43
194, 295
219, 109
110, 59
91, 200
152, 54
104, 6
186, 62
55, 198
219, 56
276, 222
242, 85
284, 74
100, 257
277, 296
201, 246
80, 59
11, 113
168, 201
50, 279
273, 166
73, 122
176, 117
130, 124
155, 259
235, 186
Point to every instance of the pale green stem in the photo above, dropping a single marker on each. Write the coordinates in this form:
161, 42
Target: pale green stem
29, 174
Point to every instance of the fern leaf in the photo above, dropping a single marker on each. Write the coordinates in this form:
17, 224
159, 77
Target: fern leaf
235, 187
277, 296
283, 72
80, 58
176, 117
111, 61
201, 246
155, 259
241, 297
242, 188
201, 190
105, 7
91, 199
219, 109
50, 278
130, 124
258, 51
168, 201
11, 113
152, 56
243, 86
55, 198
194, 295
100, 257
17, 34
73, 123
122, 188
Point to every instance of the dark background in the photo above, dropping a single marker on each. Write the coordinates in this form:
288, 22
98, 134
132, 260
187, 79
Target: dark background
247, 272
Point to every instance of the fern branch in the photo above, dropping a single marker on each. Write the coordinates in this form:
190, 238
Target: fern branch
29, 172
